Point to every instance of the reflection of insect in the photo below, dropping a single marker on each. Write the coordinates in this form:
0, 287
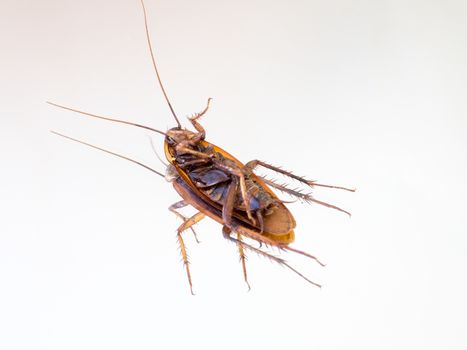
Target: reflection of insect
218, 185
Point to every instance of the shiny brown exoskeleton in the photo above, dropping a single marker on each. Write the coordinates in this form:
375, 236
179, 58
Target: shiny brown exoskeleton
218, 185
228, 191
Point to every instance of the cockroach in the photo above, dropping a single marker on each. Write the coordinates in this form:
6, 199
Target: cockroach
219, 186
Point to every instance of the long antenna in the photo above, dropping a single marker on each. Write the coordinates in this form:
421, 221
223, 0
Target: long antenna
107, 151
148, 37
107, 118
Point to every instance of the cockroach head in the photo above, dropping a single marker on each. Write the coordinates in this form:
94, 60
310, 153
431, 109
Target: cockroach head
177, 135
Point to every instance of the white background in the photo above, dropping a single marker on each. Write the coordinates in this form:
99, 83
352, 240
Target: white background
370, 94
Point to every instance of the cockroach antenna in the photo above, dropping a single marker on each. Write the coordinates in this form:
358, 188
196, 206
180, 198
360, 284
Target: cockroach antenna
107, 118
109, 152
151, 51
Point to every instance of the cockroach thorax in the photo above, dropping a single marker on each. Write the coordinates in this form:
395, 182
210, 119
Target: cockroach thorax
176, 135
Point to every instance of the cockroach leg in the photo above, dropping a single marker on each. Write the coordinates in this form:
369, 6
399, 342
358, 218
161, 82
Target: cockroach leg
241, 251
269, 242
227, 211
227, 232
257, 237
260, 221
194, 121
234, 170
173, 208
183, 148
267, 255
203, 112
329, 206
304, 253
227, 208
251, 165
187, 224
186, 263
192, 221
246, 199
198, 161
300, 195
312, 183
178, 205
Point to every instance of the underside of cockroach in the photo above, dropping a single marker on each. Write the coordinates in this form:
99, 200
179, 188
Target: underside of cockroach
219, 186
225, 183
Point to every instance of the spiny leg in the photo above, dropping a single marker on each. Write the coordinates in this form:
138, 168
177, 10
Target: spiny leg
269, 242
276, 259
226, 232
227, 211
173, 208
186, 224
186, 263
203, 112
241, 251
304, 254
300, 195
193, 220
251, 165
229, 226
194, 121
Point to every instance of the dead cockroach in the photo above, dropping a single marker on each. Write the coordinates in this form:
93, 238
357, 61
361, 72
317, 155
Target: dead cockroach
218, 185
